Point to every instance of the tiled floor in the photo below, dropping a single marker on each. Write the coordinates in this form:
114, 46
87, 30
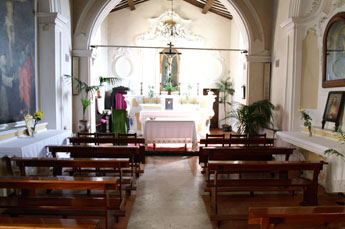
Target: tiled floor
170, 194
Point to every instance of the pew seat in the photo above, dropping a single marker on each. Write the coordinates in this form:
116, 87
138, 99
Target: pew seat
309, 187
110, 206
48, 223
269, 217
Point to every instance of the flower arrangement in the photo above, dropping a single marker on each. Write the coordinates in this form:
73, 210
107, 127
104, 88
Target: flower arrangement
151, 92
31, 127
38, 115
341, 135
306, 118
169, 87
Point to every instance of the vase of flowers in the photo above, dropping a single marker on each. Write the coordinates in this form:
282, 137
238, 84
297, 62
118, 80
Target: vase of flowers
306, 118
38, 115
31, 122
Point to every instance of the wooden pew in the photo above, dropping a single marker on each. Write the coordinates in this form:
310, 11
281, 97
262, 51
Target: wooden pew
238, 141
310, 187
269, 217
105, 204
242, 153
48, 223
105, 140
136, 154
59, 163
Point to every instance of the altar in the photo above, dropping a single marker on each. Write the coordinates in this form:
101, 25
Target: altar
171, 130
198, 108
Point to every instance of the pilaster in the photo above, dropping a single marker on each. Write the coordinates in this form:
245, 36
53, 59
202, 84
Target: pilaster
52, 27
292, 94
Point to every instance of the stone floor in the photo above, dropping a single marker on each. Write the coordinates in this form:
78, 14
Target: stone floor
170, 194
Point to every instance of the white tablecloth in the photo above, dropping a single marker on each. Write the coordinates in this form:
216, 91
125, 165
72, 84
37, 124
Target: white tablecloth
27, 146
190, 115
171, 131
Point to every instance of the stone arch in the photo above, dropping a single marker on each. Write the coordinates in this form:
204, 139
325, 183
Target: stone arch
94, 13
249, 23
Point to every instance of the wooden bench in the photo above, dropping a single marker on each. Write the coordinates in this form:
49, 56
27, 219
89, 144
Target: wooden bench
242, 153
59, 163
310, 187
116, 165
268, 217
136, 154
106, 140
48, 223
109, 205
238, 141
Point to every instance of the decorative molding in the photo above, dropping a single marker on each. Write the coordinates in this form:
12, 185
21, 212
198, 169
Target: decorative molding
157, 32
122, 60
288, 25
51, 18
259, 59
82, 53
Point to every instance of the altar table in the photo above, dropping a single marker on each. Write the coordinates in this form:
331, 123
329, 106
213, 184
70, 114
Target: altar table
28, 146
190, 115
171, 131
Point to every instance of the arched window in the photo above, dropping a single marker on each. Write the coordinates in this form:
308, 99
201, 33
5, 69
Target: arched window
334, 52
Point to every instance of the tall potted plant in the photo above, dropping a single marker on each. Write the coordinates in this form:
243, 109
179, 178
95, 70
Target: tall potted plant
225, 87
87, 92
252, 118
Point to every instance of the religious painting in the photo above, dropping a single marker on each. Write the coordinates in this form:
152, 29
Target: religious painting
334, 52
169, 69
334, 107
169, 102
17, 59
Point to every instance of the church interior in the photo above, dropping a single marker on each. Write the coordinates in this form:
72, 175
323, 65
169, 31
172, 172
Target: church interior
172, 114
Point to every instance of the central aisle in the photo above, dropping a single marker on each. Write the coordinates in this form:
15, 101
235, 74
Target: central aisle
168, 195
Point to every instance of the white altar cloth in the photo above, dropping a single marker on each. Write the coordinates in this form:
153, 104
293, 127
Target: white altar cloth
191, 115
27, 146
335, 177
171, 131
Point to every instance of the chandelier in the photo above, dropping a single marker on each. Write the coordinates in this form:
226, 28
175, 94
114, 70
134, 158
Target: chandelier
169, 29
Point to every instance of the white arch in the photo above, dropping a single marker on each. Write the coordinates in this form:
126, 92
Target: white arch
94, 14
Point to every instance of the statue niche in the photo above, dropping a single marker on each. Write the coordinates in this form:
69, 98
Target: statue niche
169, 69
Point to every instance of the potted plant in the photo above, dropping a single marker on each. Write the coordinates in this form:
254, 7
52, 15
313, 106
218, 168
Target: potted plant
169, 87
87, 92
225, 87
252, 118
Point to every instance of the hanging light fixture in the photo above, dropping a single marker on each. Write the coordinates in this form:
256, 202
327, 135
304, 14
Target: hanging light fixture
170, 29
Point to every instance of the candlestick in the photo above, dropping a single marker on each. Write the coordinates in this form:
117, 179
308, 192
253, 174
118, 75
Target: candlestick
197, 89
141, 88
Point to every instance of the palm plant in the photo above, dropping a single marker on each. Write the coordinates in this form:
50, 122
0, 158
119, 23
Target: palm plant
225, 87
89, 91
251, 118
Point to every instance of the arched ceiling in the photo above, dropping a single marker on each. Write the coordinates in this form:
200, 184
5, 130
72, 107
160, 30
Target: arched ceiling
214, 6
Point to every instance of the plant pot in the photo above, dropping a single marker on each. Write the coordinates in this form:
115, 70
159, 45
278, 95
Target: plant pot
226, 128
84, 126
169, 92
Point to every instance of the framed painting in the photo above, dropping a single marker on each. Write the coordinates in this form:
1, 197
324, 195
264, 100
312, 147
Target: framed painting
334, 107
333, 70
169, 102
17, 59
169, 69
